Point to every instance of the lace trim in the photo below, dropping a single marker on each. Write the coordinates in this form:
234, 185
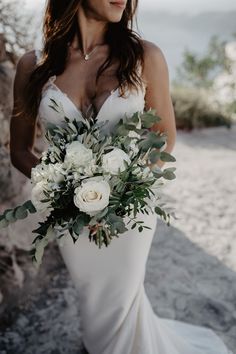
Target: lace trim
50, 84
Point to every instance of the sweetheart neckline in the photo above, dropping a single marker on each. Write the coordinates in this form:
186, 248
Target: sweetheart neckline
51, 82
78, 110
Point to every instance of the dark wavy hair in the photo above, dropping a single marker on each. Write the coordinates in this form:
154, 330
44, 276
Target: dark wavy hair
59, 28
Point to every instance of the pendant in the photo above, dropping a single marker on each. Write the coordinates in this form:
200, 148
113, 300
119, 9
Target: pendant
86, 57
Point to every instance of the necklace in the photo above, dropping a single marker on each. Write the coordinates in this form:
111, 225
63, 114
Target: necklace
87, 55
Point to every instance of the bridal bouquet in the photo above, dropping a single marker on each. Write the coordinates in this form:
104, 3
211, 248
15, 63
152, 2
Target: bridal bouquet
87, 178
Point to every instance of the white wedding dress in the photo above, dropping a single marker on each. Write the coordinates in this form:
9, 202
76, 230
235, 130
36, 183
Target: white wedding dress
116, 315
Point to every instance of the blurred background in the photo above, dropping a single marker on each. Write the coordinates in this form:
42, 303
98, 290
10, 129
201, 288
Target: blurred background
191, 268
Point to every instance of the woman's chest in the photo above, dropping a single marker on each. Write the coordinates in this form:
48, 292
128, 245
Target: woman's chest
112, 110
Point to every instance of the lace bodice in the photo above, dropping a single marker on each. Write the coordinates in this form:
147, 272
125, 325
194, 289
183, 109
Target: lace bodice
112, 109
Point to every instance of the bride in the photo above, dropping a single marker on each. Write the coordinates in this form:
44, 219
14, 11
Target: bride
94, 63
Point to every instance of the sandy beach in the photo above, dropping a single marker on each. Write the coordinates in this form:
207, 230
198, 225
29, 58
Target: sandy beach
191, 269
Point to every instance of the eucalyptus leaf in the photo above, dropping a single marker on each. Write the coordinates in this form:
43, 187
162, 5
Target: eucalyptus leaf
30, 207
165, 156
80, 221
40, 245
102, 213
3, 223
152, 141
21, 213
10, 216
154, 156
169, 175
171, 169
158, 211
120, 227
148, 119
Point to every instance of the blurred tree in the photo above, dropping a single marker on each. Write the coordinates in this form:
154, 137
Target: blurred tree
208, 80
200, 71
17, 28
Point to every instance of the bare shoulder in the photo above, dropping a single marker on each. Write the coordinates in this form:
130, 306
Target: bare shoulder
27, 62
154, 59
153, 52
25, 66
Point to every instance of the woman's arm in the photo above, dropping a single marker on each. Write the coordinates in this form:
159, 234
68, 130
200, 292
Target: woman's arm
22, 130
158, 97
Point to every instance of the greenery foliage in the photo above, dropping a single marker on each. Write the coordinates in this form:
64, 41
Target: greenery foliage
199, 71
195, 100
132, 189
192, 110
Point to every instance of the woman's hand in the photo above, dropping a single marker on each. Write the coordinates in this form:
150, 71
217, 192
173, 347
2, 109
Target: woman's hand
156, 76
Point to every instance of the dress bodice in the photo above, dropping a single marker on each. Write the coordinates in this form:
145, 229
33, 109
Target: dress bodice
114, 107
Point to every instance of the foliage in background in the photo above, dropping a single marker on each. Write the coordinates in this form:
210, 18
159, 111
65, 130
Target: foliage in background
200, 71
196, 101
17, 27
192, 110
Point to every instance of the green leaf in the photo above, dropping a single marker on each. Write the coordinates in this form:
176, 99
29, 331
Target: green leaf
149, 118
40, 244
120, 227
78, 226
112, 218
81, 221
171, 169
121, 130
169, 175
54, 108
3, 223
154, 156
117, 223
102, 213
100, 236
10, 215
21, 212
158, 211
153, 140
30, 207
42, 230
165, 156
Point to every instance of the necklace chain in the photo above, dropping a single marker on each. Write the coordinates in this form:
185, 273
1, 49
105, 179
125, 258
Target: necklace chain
86, 56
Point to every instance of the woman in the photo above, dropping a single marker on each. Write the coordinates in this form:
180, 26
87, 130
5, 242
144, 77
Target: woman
93, 63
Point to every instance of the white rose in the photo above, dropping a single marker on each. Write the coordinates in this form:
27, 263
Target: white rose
92, 196
78, 155
37, 195
114, 160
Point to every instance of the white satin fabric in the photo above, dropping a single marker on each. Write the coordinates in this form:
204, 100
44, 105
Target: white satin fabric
116, 315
